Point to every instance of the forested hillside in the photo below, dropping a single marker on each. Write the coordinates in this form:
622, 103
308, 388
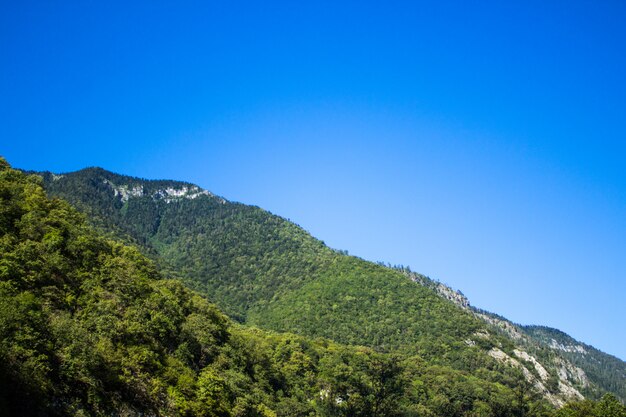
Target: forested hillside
261, 269
90, 327
294, 282
264, 270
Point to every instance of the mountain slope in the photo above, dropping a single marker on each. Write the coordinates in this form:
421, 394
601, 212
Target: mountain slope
592, 372
251, 262
264, 270
596, 364
89, 327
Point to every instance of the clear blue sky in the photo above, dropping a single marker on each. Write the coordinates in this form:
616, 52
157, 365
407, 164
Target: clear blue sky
481, 143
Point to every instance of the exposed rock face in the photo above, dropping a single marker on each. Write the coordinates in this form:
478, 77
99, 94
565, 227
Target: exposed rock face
568, 372
124, 191
443, 290
566, 392
506, 326
455, 296
543, 374
567, 348
168, 194
558, 368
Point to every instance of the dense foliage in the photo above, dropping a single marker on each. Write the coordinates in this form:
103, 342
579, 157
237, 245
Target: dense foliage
88, 326
262, 269
266, 271
608, 406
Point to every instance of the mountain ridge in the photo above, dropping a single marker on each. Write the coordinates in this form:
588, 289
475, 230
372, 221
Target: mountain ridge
135, 214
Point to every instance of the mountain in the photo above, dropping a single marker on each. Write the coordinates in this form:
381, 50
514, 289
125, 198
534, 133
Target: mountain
260, 268
265, 271
90, 326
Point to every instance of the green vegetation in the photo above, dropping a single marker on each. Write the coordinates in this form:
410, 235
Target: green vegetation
260, 268
608, 406
89, 326
263, 270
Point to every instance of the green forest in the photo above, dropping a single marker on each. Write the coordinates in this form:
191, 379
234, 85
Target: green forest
114, 320
263, 270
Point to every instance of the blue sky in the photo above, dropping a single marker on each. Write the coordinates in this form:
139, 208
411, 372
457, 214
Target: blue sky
482, 144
